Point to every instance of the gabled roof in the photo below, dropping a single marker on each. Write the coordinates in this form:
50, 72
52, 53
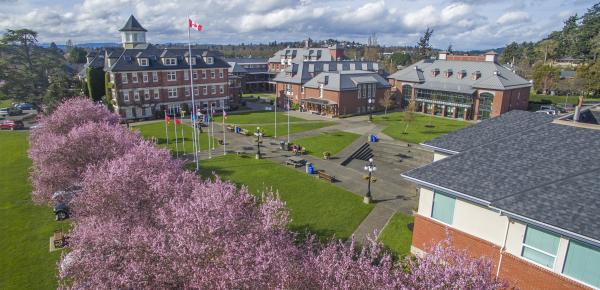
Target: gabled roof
303, 71
487, 131
492, 75
346, 80
126, 59
297, 54
132, 25
547, 174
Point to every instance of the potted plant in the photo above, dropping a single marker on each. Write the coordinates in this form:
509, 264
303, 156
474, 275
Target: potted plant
326, 155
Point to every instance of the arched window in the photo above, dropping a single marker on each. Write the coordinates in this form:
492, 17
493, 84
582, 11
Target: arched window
485, 105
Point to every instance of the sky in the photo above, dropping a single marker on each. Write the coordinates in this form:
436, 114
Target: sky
466, 24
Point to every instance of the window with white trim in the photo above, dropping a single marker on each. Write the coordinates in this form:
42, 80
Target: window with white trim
209, 60
221, 89
186, 75
136, 95
155, 76
196, 91
171, 76
540, 246
443, 207
192, 60
170, 61
172, 93
126, 96
143, 61
204, 74
213, 90
156, 94
134, 77
204, 90
146, 94
212, 73
221, 74
195, 74
145, 77
583, 263
124, 78
187, 91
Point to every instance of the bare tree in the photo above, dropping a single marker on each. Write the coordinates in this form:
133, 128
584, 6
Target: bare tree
409, 115
386, 101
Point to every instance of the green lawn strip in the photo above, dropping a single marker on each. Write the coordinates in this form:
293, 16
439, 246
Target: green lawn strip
157, 130
397, 236
418, 130
266, 121
558, 100
25, 228
261, 95
315, 205
6, 103
332, 142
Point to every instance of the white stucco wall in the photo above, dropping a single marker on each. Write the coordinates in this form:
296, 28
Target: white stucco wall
425, 201
514, 238
479, 221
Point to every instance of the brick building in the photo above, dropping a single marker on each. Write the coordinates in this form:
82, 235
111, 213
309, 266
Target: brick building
291, 85
522, 189
144, 79
285, 57
461, 86
253, 73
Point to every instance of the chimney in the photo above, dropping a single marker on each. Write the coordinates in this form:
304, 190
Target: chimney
443, 55
491, 56
578, 109
306, 44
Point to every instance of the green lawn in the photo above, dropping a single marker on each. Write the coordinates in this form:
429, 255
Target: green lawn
558, 100
6, 103
315, 205
397, 236
25, 228
261, 95
418, 131
334, 142
157, 130
266, 121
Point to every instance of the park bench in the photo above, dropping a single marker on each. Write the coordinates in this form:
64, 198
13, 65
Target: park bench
60, 240
323, 175
296, 162
231, 128
245, 132
220, 141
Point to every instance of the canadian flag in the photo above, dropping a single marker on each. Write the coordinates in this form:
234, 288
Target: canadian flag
194, 25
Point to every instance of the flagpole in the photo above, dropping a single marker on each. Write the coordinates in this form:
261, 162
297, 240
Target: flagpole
224, 151
195, 136
166, 128
288, 117
182, 135
275, 117
175, 126
212, 125
209, 133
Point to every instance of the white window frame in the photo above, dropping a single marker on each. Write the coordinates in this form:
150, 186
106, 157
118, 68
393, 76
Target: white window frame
171, 76
195, 74
145, 77
213, 90
209, 60
554, 256
170, 61
124, 78
187, 91
134, 77
186, 75
205, 90
172, 93
126, 96
156, 94
136, 95
146, 94
143, 61
192, 60
212, 74
221, 74
204, 74
154, 77
221, 89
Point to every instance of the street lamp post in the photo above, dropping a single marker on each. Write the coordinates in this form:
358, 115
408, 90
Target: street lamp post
369, 167
258, 135
370, 100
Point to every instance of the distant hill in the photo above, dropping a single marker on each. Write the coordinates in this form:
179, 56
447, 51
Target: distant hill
86, 45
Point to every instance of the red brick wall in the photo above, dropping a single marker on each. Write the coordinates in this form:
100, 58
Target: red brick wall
504, 101
518, 272
465, 57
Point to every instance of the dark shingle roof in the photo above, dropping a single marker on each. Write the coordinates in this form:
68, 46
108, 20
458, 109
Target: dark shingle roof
486, 131
132, 25
529, 173
127, 60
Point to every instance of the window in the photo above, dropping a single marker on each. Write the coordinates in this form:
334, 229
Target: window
196, 91
145, 77
583, 263
221, 89
186, 75
187, 91
124, 78
212, 73
134, 77
170, 61
204, 74
195, 74
443, 207
302, 89
221, 74
172, 93
156, 94
213, 90
126, 96
192, 60
146, 94
136, 95
204, 90
209, 60
171, 76
154, 76
143, 62
540, 246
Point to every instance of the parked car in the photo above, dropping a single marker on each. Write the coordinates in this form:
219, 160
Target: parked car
25, 106
549, 112
62, 199
3, 112
13, 111
11, 125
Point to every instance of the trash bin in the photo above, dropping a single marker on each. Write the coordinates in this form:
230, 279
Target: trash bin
374, 138
310, 169
286, 146
238, 129
282, 145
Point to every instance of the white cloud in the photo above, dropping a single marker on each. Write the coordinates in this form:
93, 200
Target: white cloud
513, 17
456, 11
421, 18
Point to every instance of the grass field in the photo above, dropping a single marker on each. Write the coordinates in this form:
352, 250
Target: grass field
25, 228
418, 131
315, 205
558, 100
157, 130
397, 236
334, 142
6, 103
266, 121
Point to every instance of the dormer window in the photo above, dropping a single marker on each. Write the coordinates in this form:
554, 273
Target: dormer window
435, 72
476, 75
209, 60
448, 73
462, 74
170, 61
191, 60
143, 61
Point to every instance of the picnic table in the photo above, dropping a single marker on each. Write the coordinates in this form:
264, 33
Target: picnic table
295, 161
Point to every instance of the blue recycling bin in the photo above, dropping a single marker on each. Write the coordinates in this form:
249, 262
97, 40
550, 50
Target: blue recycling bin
310, 169
238, 129
375, 139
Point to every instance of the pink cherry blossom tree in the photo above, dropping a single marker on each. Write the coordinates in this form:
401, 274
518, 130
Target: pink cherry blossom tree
60, 160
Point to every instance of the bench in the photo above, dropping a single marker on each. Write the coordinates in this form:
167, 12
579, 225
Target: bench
295, 162
323, 175
245, 132
230, 128
60, 240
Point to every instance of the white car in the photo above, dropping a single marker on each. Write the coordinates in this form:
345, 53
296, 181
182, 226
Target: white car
268, 108
549, 112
